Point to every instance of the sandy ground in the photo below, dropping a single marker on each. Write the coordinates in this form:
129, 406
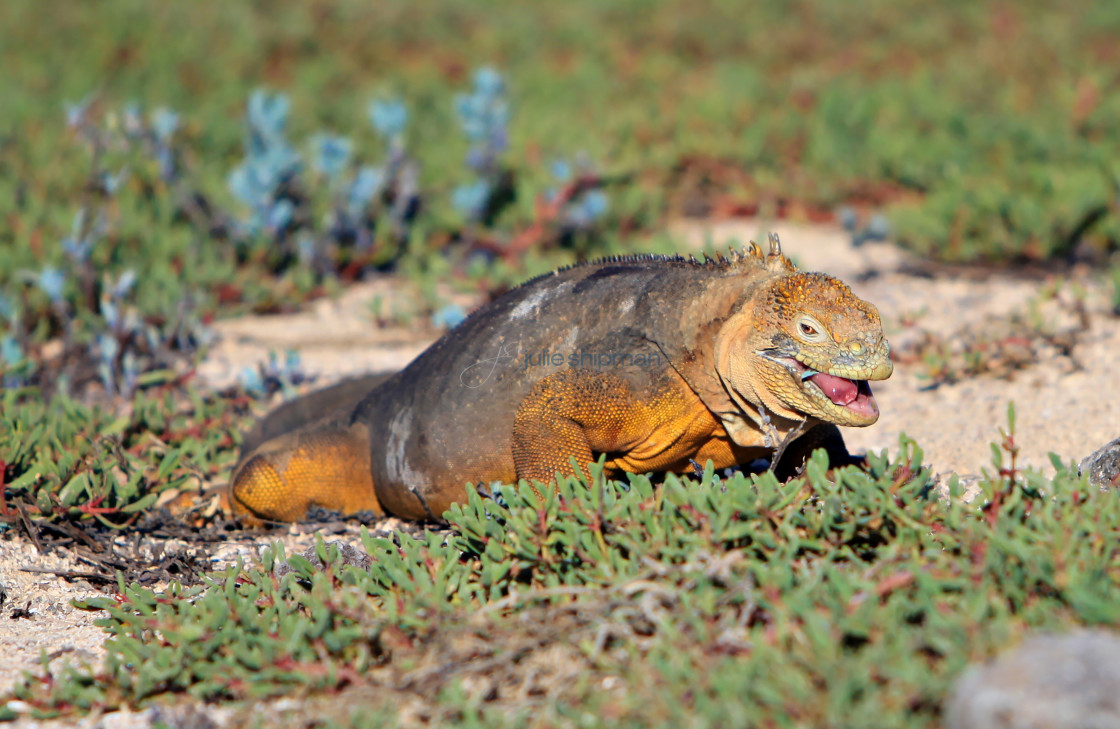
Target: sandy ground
51, 624
335, 337
1065, 404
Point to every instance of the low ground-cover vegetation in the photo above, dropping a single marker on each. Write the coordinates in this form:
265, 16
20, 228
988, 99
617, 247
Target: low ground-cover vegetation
65, 461
850, 600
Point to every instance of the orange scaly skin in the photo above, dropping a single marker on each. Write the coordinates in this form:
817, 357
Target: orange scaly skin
656, 362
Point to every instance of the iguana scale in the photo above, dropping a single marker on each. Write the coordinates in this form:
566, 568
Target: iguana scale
653, 362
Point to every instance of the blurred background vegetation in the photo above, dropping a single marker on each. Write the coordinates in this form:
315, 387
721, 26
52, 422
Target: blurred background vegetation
983, 130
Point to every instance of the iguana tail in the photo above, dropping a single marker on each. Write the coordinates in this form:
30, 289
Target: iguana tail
307, 453
337, 400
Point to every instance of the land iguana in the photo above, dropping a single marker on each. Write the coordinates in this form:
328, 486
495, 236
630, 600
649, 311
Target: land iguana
655, 363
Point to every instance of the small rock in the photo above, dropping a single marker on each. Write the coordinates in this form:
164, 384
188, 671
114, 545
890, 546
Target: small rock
969, 484
348, 554
52, 349
1049, 682
1103, 467
185, 716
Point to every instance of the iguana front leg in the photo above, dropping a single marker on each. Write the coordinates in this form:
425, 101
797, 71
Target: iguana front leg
579, 413
573, 413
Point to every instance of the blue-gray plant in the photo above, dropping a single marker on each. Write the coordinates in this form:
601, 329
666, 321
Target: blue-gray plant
483, 115
120, 345
399, 188
156, 135
275, 376
114, 347
877, 228
269, 181
264, 179
371, 193
15, 366
587, 208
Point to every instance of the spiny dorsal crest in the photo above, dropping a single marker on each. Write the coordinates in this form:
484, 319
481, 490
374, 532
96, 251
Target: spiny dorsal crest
774, 261
749, 259
775, 245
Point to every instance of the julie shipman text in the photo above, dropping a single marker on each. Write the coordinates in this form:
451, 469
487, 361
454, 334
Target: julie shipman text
592, 360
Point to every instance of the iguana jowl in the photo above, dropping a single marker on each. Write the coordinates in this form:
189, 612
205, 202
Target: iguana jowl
654, 362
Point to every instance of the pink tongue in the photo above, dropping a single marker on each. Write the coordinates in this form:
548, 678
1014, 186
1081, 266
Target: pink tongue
839, 390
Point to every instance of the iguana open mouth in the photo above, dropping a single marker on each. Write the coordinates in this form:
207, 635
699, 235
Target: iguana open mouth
854, 395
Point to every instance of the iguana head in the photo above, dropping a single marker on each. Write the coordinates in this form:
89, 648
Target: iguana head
805, 345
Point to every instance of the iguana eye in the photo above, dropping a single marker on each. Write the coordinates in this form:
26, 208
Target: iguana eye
809, 329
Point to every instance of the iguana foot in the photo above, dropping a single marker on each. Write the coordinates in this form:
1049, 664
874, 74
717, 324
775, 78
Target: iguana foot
326, 465
824, 435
